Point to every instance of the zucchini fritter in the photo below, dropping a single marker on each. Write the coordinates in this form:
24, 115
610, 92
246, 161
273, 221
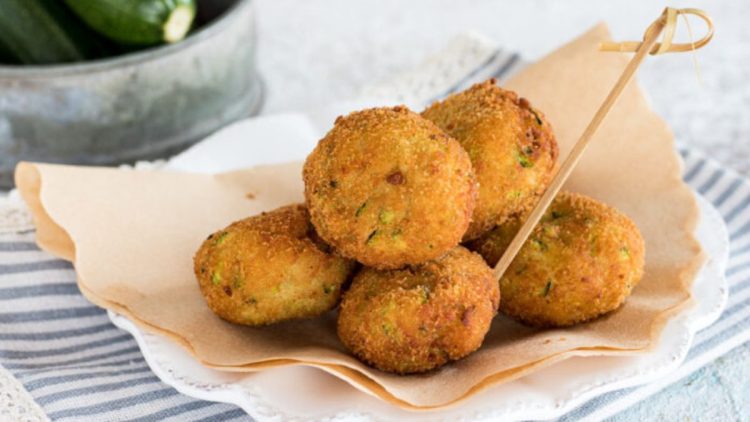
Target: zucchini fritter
511, 146
581, 261
388, 188
419, 318
270, 268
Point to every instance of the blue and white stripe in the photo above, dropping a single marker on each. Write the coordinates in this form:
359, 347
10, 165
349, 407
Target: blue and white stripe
77, 365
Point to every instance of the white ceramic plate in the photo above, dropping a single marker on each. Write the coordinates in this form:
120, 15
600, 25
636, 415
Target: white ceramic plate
303, 393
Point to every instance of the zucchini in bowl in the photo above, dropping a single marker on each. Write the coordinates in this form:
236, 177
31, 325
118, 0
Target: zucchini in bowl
137, 22
45, 32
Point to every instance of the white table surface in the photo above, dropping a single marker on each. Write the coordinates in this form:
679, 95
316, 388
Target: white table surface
321, 51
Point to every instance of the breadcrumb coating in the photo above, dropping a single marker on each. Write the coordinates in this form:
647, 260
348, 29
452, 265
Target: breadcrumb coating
511, 146
389, 188
269, 268
419, 318
581, 261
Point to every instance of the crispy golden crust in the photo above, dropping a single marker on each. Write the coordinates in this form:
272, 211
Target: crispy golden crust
511, 146
419, 318
581, 261
269, 268
388, 188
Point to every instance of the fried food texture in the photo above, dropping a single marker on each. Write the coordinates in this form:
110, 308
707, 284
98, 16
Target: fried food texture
511, 146
269, 268
389, 188
419, 318
581, 261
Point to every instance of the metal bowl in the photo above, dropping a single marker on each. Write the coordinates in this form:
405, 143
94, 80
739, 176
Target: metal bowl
142, 105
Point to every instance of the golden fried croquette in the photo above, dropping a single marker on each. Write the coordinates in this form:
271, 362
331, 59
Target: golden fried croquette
388, 188
581, 261
419, 318
269, 268
511, 146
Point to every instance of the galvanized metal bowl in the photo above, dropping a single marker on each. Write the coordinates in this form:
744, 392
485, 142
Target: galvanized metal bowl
141, 105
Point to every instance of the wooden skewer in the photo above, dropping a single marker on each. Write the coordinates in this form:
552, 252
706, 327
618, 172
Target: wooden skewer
646, 46
666, 46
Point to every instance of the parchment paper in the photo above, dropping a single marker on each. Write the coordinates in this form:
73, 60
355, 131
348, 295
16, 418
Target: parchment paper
132, 235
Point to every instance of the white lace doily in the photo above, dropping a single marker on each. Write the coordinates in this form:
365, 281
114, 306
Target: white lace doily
16, 403
14, 216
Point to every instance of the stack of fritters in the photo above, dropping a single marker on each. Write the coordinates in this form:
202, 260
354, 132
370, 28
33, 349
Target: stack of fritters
398, 192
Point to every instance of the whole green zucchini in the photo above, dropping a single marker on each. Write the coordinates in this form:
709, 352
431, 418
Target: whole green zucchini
137, 22
6, 54
44, 32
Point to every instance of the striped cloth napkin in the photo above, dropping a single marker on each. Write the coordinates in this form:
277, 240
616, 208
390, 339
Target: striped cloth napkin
61, 358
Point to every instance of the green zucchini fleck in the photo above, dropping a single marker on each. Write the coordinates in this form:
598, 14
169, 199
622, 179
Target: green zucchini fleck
220, 238
624, 252
386, 217
424, 291
215, 278
524, 161
474, 153
398, 239
539, 244
551, 230
536, 115
361, 209
387, 309
547, 288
